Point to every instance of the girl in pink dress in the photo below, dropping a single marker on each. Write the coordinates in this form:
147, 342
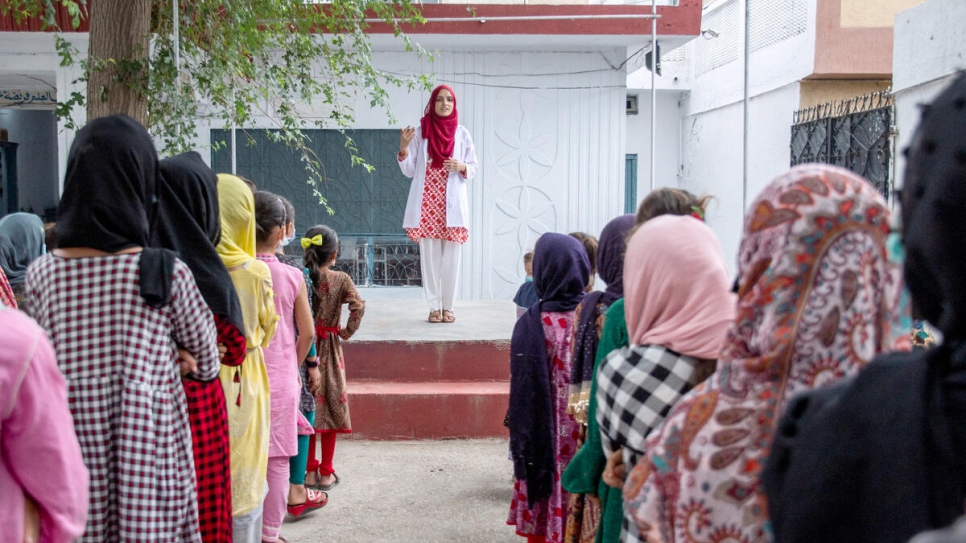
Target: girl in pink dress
543, 436
282, 357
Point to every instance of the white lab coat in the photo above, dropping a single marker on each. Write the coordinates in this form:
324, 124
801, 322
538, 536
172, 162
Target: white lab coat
414, 166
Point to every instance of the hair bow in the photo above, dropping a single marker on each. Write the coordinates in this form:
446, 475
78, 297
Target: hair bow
314, 240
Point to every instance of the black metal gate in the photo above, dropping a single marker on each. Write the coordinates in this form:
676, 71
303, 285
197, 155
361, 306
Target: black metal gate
855, 134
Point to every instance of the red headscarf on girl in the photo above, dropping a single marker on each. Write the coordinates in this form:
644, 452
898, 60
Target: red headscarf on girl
440, 132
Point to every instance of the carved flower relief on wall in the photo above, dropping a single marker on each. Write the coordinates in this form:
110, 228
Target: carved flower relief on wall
524, 154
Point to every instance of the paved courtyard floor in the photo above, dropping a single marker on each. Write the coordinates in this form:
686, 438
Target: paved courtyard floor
414, 492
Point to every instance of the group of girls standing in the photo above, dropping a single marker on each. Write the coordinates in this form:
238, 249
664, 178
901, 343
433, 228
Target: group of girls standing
184, 347
679, 381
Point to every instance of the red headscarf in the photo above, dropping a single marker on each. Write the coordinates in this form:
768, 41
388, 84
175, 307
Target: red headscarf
440, 132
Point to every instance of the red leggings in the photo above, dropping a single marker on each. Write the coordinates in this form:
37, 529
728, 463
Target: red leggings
328, 451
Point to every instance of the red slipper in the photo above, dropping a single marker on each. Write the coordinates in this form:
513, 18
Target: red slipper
316, 500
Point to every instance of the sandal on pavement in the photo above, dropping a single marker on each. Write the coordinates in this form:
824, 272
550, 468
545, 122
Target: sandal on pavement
330, 486
318, 480
316, 500
434, 317
448, 316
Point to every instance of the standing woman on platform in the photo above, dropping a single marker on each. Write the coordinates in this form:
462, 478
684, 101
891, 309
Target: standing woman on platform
439, 156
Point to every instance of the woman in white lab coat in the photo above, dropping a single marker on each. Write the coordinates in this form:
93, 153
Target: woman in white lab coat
440, 158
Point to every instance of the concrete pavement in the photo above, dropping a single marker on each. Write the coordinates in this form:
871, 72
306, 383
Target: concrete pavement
414, 492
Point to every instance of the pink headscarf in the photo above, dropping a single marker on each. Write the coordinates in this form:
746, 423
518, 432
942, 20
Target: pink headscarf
819, 298
676, 289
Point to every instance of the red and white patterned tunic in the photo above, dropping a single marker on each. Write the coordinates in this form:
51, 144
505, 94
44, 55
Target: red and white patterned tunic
432, 217
124, 389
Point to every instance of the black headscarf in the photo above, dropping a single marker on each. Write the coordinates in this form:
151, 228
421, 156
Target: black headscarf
21, 242
610, 267
110, 197
882, 457
188, 223
933, 219
560, 271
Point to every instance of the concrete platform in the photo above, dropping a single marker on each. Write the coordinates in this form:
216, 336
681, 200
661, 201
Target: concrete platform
411, 379
400, 314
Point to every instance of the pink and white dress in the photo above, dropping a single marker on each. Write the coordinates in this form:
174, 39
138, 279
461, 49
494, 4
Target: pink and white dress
548, 517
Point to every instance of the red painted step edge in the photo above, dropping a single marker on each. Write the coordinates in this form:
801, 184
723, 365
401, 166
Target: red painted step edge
427, 361
439, 410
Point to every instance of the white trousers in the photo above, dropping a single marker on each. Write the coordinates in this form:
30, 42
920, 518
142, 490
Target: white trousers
439, 261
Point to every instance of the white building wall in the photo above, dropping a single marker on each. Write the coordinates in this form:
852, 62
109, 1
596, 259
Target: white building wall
549, 129
929, 48
668, 140
712, 119
36, 132
33, 53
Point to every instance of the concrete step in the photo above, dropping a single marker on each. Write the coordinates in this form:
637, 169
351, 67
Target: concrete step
427, 361
393, 410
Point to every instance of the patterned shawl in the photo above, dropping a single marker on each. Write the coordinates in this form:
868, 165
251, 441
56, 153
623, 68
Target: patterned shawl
818, 299
610, 267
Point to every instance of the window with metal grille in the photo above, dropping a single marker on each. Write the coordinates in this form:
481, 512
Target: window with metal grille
774, 21
721, 49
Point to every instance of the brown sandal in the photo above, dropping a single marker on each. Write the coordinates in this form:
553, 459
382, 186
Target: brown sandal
434, 317
448, 316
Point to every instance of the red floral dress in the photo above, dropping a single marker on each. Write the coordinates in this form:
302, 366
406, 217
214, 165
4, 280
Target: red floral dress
432, 217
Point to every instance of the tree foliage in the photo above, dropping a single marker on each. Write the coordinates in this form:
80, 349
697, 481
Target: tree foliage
242, 59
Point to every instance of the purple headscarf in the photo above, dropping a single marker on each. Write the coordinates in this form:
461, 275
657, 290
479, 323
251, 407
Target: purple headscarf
560, 270
610, 267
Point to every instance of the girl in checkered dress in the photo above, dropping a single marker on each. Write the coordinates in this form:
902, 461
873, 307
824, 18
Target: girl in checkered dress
116, 311
678, 305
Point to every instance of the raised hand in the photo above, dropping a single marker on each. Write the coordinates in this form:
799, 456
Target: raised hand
406, 136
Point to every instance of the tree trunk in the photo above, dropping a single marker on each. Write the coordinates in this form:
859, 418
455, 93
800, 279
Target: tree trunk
119, 42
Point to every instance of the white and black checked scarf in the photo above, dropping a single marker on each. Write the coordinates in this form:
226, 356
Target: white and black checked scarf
636, 388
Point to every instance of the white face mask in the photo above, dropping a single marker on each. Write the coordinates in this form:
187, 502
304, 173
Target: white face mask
286, 241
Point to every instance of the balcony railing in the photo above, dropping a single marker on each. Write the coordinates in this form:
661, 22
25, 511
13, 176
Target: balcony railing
376, 261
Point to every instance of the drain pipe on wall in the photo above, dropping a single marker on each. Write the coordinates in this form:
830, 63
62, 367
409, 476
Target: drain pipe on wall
745, 102
654, 61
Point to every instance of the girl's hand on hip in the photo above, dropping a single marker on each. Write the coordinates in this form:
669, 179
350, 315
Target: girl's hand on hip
315, 380
615, 472
186, 363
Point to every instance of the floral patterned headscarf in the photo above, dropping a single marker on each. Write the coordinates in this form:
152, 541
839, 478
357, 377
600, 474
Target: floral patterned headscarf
818, 299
